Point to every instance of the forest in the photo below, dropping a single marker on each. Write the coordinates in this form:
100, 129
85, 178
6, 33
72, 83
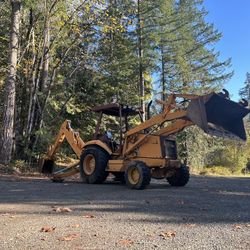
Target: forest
58, 59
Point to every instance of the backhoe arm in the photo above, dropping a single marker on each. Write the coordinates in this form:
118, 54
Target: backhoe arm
76, 143
73, 138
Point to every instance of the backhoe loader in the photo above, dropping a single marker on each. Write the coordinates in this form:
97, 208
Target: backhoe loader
147, 150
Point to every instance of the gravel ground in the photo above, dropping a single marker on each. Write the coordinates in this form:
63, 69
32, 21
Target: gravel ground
208, 213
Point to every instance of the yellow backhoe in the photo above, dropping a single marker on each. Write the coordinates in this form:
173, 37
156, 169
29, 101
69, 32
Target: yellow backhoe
148, 150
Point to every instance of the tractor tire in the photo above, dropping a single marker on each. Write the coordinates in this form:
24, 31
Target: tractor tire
93, 163
180, 178
137, 175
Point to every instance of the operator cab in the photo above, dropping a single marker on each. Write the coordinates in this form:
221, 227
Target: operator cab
120, 113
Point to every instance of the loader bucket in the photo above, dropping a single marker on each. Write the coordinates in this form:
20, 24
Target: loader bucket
46, 166
218, 116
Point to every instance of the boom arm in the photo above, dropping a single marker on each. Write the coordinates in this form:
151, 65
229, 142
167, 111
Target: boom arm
73, 138
76, 143
175, 127
166, 115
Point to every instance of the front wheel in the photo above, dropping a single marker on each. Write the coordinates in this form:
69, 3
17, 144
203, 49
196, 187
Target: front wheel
137, 175
93, 163
180, 177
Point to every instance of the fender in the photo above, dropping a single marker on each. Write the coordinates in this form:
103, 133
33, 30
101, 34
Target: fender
100, 144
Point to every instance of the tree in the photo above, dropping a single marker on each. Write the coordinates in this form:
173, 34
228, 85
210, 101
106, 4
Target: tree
7, 133
4, 39
245, 91
4, 45
189, 62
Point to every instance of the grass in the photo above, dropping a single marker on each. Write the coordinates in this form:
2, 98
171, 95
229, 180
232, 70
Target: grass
221, 171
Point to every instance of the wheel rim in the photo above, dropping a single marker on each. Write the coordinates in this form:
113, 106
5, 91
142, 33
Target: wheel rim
89, 164
133, 175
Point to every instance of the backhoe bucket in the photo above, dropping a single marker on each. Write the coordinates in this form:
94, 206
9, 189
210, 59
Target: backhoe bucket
218, 116
46, 166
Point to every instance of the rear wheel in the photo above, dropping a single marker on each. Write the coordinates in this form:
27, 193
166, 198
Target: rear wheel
93, 163
180, 178
137, 175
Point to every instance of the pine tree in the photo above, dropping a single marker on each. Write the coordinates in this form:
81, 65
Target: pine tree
189, 63
245, 91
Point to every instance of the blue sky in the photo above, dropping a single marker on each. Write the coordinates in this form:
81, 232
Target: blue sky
232, 18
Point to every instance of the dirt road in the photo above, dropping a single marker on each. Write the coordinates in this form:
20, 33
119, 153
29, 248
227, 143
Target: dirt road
209, 213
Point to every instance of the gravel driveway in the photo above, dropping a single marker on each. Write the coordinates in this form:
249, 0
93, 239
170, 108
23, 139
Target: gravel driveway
209, 213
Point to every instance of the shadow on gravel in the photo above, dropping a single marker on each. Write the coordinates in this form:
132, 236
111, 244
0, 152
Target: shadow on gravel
203, 200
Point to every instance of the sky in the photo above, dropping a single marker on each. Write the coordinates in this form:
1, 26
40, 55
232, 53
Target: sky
232, 18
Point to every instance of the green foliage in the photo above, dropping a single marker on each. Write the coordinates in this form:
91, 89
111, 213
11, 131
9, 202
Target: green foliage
20, 166
216, 170
203, 152
245, 91
188, 61
4, 39
4, 48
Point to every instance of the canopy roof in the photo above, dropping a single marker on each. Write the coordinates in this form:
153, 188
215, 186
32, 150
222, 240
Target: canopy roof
113, 109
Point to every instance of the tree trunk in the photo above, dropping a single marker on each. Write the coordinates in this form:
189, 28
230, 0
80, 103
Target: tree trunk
32, 79
8, 133
41, 85
163, 78
140, 55
45, 70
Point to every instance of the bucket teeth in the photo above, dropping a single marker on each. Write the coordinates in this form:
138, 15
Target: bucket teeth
243, 102
224, 94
